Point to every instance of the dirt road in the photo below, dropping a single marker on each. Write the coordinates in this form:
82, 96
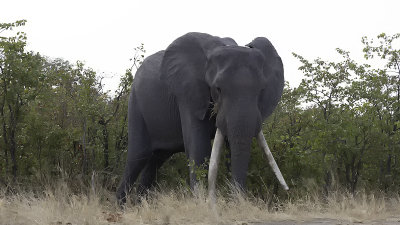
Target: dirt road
388, 221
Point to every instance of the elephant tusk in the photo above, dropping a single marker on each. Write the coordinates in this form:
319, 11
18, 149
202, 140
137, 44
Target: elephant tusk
213, 168
263, 144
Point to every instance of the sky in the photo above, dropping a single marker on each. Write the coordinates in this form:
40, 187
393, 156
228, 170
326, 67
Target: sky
103, 34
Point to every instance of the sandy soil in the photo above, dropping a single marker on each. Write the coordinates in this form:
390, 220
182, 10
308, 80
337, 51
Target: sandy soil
388, 221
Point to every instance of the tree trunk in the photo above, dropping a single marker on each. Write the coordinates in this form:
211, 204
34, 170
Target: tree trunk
389, 164
13, 148
327, 176
85, 158
13, 144
120, 144
40, 160
106, 147
5, 138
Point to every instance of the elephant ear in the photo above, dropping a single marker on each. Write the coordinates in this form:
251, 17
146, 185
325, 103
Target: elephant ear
183, 68
273, 73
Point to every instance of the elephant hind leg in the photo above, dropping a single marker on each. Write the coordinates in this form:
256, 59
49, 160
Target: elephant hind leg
149, 173
132, 170
139, 150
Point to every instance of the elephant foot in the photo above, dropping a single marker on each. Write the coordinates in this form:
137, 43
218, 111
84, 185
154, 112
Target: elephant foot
121, 198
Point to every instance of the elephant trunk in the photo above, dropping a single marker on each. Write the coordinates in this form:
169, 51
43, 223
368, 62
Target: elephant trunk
241, 128
240, 156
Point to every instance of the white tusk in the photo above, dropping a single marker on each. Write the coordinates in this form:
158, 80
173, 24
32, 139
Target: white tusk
213, 168
263, 144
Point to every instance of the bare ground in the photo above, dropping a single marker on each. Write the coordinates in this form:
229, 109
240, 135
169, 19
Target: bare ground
388, 221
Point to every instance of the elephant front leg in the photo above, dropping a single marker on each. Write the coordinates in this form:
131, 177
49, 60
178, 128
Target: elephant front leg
197, 141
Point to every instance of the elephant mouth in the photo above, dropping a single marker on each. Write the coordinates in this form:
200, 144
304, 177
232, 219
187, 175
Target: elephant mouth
215, 155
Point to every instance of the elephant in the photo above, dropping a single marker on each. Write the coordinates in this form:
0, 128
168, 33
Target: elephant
200, 87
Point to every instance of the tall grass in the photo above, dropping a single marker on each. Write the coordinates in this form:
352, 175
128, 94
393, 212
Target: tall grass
58, 204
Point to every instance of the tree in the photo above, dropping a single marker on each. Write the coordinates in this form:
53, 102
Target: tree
21, 81
383, 87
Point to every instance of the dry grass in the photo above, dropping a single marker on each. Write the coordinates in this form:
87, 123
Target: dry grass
60, 206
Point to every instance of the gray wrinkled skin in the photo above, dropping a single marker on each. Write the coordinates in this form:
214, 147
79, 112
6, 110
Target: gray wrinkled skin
179, 96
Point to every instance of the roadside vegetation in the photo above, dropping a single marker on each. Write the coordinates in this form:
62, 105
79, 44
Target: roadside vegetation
58, 204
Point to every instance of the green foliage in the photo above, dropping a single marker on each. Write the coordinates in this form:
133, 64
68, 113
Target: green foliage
56, 120
354, 113
200, 171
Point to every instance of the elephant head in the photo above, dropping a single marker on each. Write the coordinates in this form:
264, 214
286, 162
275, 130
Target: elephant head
244, 84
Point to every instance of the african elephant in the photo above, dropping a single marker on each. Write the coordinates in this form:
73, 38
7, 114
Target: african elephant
180, 97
